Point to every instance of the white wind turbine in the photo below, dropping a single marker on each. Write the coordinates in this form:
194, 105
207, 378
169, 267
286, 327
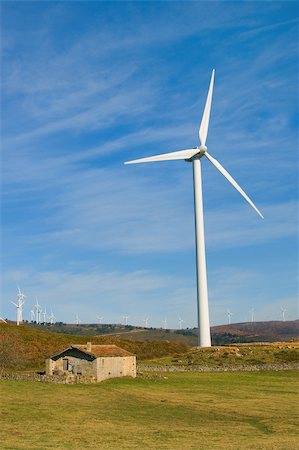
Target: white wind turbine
45, 315
100, 319
51, 317
180, 322
38, 310
77, 319
194, 155
32, 315
229, 314
146, 322
126, 319
252, 315
164, 323
283, 311
19, 306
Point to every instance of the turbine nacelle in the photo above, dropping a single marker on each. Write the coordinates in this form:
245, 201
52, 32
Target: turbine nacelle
200, 151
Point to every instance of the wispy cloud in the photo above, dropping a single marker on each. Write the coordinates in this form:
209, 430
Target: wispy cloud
83, 95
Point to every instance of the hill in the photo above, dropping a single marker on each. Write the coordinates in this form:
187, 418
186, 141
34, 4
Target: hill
271, 331
27, 347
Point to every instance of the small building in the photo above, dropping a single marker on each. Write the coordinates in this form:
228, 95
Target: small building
92, 363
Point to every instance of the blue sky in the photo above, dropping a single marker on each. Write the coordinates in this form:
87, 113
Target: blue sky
89, 85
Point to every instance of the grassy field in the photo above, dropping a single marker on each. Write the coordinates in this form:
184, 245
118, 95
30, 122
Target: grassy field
231, 411
235, 355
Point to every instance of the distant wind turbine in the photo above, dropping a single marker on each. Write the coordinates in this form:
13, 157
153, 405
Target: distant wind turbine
252, 315
146, 322
77, 319
164, 323
38, 310
194, 156
229, 314
180, 322
283, 311
19, 305
45, 315
100, 319
32, 315
126, 319
51, 318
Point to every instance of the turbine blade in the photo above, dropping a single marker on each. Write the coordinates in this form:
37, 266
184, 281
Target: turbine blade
204, 126
182, 154
232, 181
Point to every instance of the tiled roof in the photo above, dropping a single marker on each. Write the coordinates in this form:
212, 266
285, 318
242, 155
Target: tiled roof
103, 350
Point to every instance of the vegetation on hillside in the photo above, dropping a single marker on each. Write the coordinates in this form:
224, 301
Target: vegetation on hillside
271, 331
24, 347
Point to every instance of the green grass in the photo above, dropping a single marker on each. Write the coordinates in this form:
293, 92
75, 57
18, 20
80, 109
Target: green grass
231, 411
236, 356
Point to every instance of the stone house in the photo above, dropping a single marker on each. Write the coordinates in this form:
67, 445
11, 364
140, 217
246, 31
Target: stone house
92, 363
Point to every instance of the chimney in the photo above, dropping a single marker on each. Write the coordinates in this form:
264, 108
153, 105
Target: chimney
88, 346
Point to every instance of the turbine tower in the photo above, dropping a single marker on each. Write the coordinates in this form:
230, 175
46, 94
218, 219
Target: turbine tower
32, 315
180, 322
283, 311
100, 319
194, 156
164, 322
45, 315
229, 314
126, 319
19, 306
77, 320
252, 315
146, 322
38, 310
51, 317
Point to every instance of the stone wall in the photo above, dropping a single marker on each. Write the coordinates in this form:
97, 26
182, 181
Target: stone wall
116, 366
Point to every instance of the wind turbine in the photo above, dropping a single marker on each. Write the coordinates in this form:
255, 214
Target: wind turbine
126, 319
164, 322
19, 306
194, 156
146, 322
100, 319
180, 322
38, 310
51, 317
252, 315
229, 314
283, 311
32, 315
77, 320
45, 315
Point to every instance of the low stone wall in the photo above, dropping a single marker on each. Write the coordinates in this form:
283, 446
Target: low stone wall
141, 369
229, 368
56, 379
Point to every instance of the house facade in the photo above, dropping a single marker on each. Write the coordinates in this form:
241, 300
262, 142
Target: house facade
92, 363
